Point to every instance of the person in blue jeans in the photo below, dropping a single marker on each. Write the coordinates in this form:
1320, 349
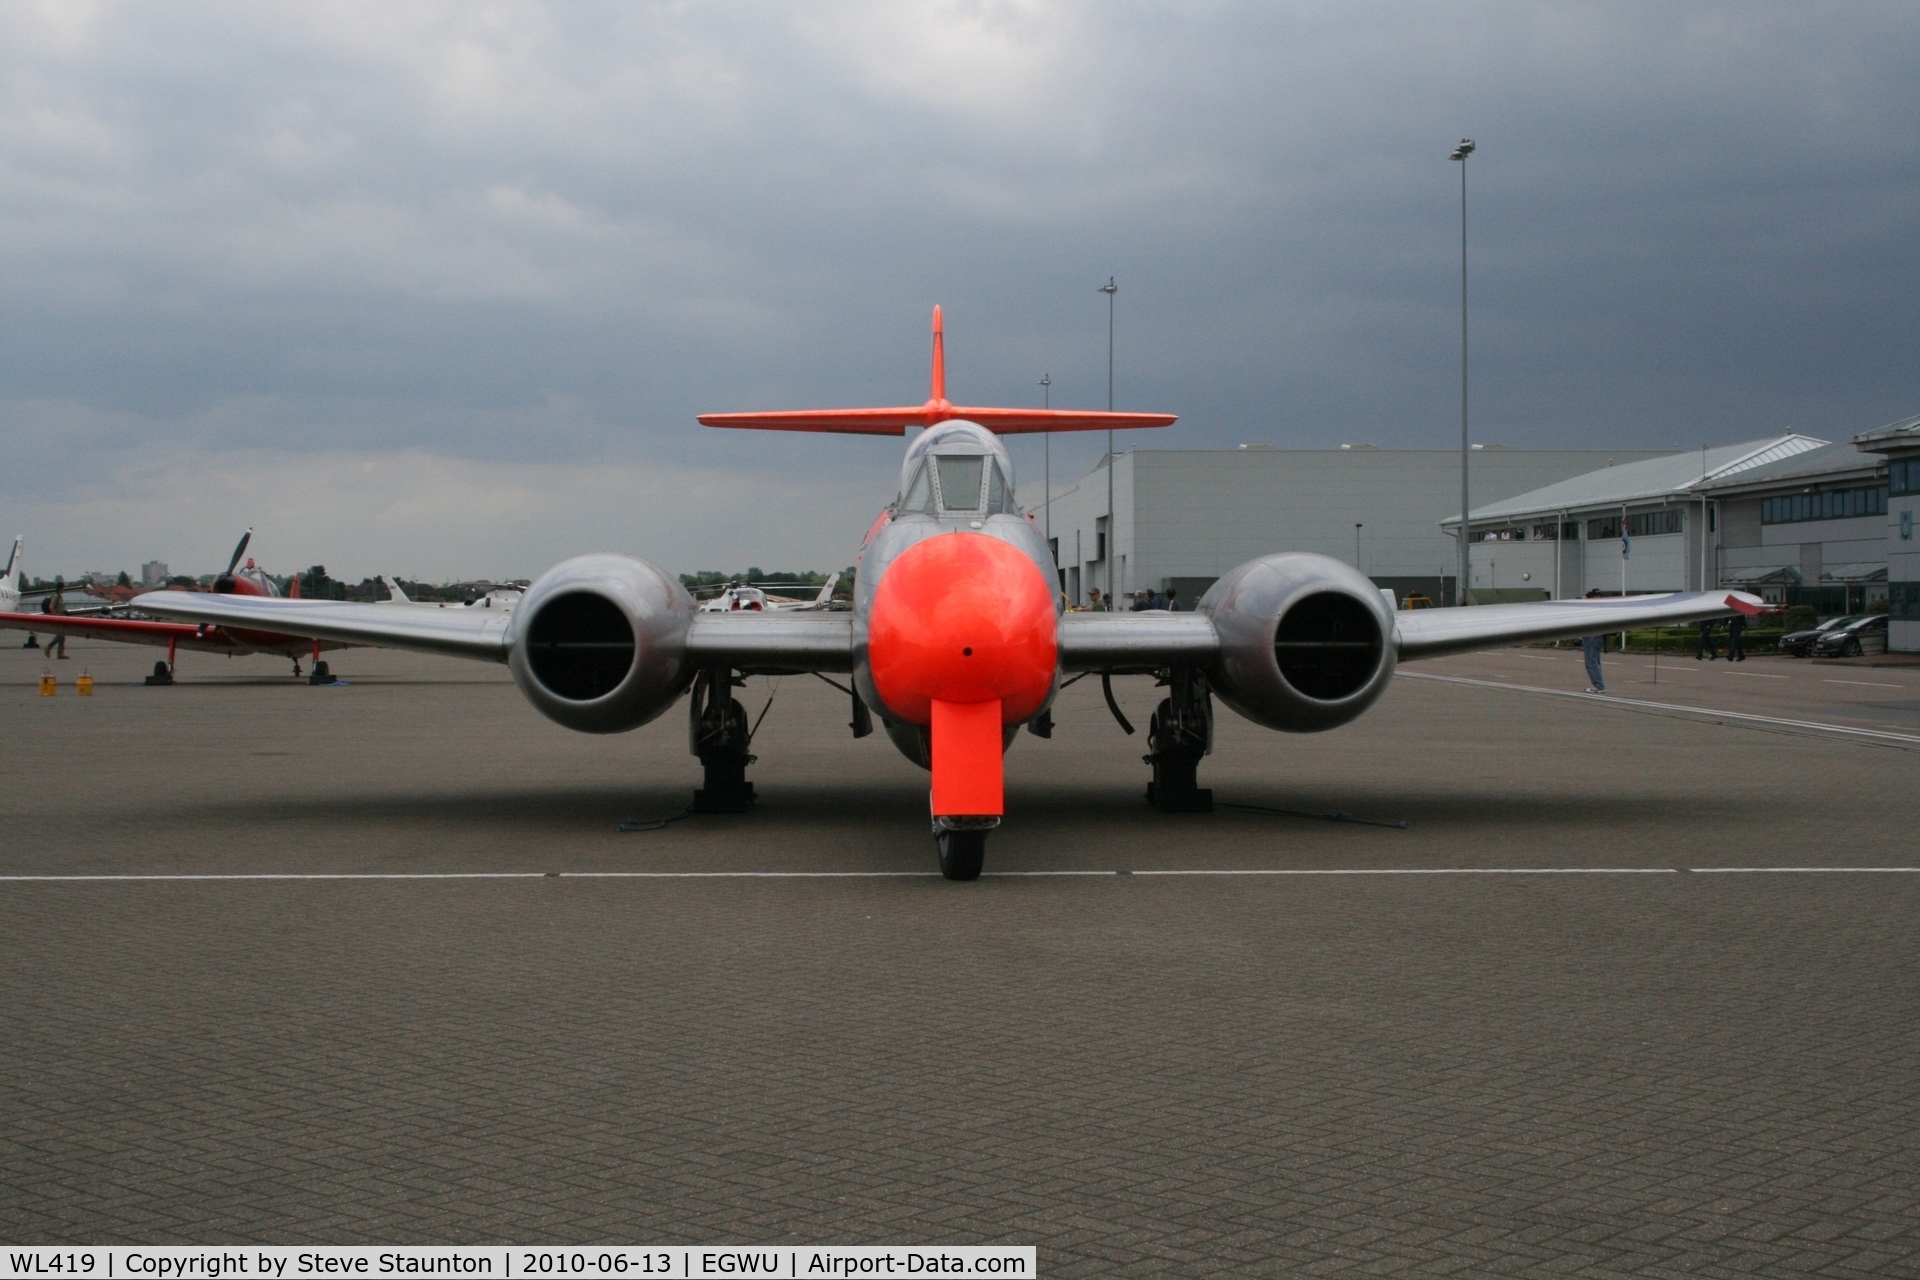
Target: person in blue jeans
1592, 646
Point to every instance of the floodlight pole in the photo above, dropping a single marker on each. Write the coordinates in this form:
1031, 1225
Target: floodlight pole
1113, 524
1357, 526
1046, 437
1460, 153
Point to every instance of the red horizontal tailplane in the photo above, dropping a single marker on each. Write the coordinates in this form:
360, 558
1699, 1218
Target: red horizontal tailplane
895, 421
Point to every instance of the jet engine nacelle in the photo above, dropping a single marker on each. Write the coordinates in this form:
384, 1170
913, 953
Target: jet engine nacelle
599, 643
1306, 641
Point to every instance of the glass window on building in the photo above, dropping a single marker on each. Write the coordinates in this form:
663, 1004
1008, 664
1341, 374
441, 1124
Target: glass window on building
1828, 504
1649, 523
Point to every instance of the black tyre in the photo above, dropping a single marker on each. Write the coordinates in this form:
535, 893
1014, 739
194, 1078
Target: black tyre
962, 854
1852, 650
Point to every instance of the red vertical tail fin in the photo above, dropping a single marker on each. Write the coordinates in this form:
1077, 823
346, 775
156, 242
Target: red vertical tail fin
937, 394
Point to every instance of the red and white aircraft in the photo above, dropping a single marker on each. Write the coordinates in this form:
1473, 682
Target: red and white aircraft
957, 636
239, 580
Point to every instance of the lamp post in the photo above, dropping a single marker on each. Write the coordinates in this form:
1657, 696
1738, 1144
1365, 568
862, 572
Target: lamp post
1113, 525
1461, 153
1046, 402
1357, 526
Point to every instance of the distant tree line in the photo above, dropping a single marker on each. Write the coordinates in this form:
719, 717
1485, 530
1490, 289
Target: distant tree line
804, 578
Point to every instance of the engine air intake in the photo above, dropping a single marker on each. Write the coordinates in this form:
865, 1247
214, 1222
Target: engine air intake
1328, 646
580, 646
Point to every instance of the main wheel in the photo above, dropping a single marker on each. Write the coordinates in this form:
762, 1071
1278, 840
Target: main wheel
962, 853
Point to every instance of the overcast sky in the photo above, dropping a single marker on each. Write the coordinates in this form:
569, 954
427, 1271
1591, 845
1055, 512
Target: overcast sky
438, 289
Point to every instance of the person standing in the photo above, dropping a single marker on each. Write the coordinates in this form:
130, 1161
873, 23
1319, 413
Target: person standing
1592, 647
1736, 633
56, 604
1709, 647
1094, 603
1173, 603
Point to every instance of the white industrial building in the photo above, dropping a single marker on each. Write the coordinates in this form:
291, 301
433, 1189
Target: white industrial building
1634, 527
1899, 444
1184, 517
1810, 529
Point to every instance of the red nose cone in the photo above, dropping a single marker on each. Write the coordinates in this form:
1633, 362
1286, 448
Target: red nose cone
963, 618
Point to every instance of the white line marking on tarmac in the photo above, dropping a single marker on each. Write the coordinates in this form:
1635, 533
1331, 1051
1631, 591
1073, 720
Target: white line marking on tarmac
1755, 675
1870, 684
1753, 871
1427, 871
884, 875
1675, 708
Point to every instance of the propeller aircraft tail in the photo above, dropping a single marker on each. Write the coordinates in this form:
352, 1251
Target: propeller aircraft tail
937, 409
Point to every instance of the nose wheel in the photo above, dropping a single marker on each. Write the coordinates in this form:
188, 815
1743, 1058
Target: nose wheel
962, 853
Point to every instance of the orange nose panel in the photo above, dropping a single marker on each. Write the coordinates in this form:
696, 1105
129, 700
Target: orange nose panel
962, 618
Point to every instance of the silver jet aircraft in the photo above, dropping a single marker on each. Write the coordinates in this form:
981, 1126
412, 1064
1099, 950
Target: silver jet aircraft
957, 636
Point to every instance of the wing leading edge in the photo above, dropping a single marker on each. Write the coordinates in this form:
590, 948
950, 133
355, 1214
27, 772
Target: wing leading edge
1435, 633
751, 642
456, 633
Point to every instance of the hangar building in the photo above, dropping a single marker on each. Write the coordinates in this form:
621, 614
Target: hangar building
1810, 529
1635, 527
1183, 517
1899, 444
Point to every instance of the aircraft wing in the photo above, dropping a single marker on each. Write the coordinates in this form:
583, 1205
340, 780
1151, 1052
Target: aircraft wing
755, 642
1144, 641
129, 630
1433, 633
771, 643
1152, 640
457, 633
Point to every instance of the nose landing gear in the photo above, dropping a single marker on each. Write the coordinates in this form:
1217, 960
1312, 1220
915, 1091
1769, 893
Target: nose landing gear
962, 845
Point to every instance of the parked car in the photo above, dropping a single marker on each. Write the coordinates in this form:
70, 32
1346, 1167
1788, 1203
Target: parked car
1798, 644
1862, 635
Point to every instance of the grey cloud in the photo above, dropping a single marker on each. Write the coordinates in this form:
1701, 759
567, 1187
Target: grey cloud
551, 235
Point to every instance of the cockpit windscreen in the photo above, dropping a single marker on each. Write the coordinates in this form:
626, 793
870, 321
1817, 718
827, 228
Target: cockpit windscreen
960, 482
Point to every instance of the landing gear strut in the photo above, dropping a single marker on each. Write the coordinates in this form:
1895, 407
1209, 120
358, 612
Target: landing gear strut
717, 729
322, 673
163, 671
1179, 736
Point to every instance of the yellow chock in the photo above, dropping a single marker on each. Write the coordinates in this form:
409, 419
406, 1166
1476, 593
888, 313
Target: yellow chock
84, 685
47, 686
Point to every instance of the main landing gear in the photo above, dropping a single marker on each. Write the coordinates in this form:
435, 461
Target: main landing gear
322, 673
718, 734
163, 671
1179, 737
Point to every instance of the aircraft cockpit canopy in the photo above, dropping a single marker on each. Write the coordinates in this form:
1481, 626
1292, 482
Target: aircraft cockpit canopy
959, 484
